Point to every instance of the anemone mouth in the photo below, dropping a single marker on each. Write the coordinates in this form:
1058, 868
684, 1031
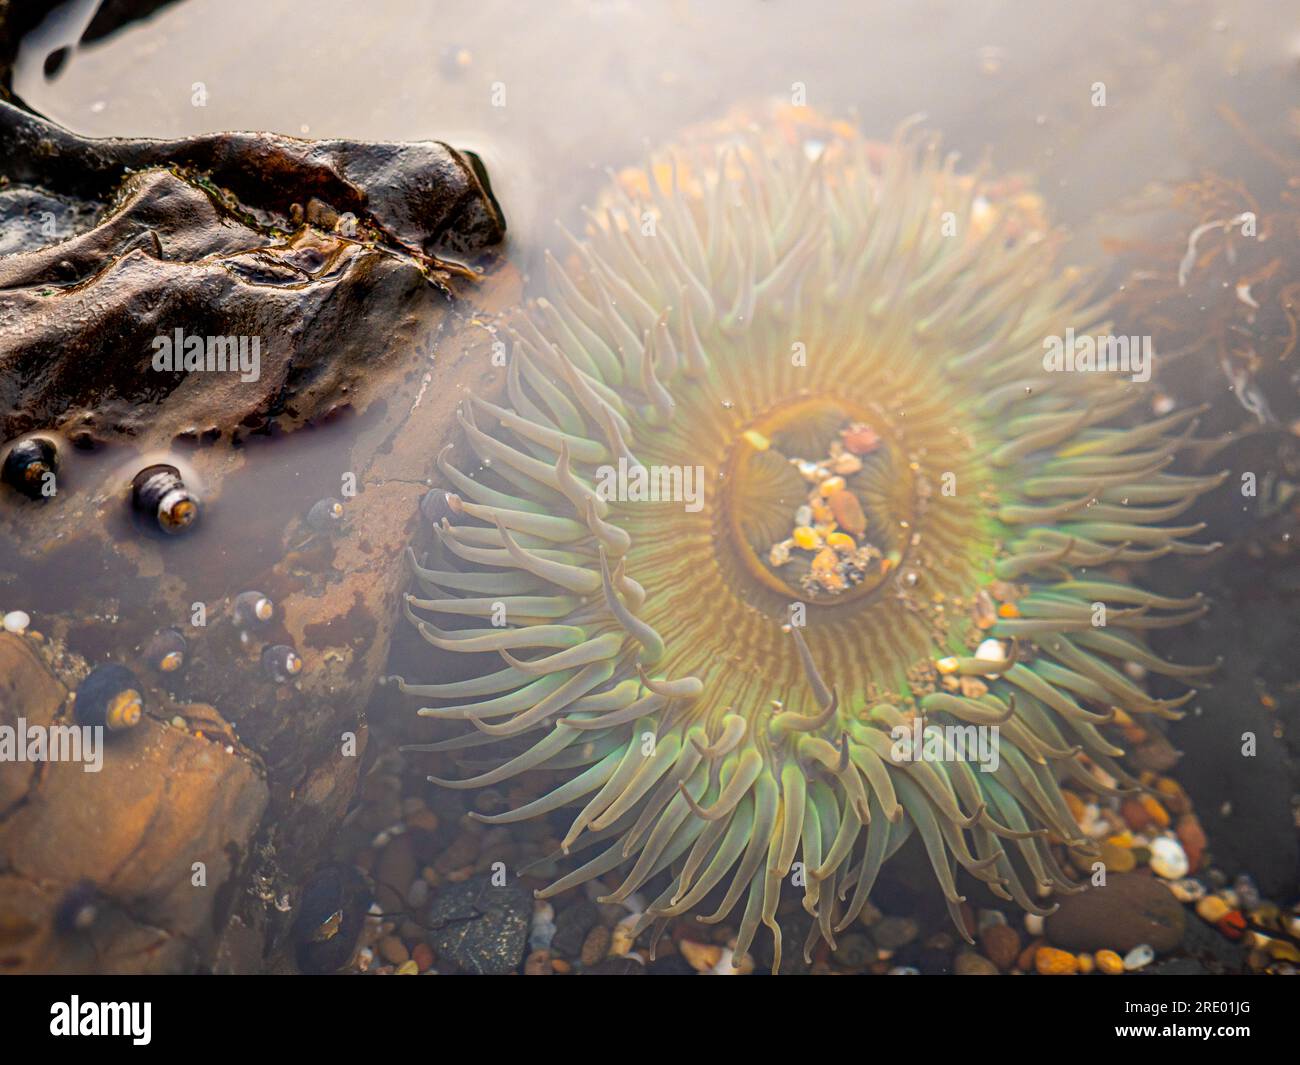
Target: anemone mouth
900, 520
828, 528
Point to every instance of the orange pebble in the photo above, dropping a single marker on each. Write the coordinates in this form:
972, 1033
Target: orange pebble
1008, 610
1232, 924
1135, 815
1192, 837
848, 511
1154, 810
1052, 962
1077, 810
1109, 962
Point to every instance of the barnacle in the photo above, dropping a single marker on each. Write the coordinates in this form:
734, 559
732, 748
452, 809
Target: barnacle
718, 687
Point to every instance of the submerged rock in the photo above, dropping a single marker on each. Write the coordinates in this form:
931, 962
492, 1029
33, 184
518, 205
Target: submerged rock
1129, 911
340, 263
162, 830
480, 928
204, 252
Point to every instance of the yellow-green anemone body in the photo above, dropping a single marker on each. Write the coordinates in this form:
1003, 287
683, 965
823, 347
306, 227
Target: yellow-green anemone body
719, 701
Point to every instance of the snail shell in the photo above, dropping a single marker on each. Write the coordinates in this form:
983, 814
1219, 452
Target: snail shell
109, 697
252, 609
325, 515
158, 491
28, 465
281, 663
166, 650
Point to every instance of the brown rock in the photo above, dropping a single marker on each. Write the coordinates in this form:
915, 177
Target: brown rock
393, 873
27, 690
1001, 943
968, 963
160, 831
393, 950
1130, 910
596, 945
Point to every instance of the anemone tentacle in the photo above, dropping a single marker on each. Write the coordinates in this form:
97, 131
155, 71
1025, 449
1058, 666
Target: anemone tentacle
739, 309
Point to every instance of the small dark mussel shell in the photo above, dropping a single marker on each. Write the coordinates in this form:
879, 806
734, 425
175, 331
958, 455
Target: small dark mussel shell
325, 515
436, 505
252, 609
166, 651
79, 908
331, 914
159, 493
28, 465
281, 663
110, 697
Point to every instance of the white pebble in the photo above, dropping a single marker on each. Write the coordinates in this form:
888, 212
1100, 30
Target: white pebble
1168, 859
543, 927
419, 892
16, 621
991, 650
1188, 890
1139, 958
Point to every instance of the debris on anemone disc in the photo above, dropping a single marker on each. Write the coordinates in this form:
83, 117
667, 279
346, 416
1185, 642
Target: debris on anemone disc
760, 303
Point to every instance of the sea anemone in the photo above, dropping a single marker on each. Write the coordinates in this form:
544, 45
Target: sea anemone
902, 519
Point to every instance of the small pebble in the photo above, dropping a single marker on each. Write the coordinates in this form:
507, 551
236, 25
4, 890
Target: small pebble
1139, 958
543, 928
393, 950
1247, 892
1232, 924
854, 950
1049, 961
1168, 859
702, 957
422, 955
622, 941
1212, 909
418, 893
596, 946
968, 963
1117, 859
890, 933
538, 964
1109, 962
17, 621
407, 968
904, 970
1001, 943
1187, 890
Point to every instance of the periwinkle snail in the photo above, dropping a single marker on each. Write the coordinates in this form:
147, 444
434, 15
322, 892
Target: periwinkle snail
30, 466
252, 609
281, 663
110, 697
158, 492
325, 515
166, 651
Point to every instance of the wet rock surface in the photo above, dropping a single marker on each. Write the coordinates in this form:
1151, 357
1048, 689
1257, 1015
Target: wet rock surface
296, 254
1130, 910
161, 850
476, 927
351, 264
